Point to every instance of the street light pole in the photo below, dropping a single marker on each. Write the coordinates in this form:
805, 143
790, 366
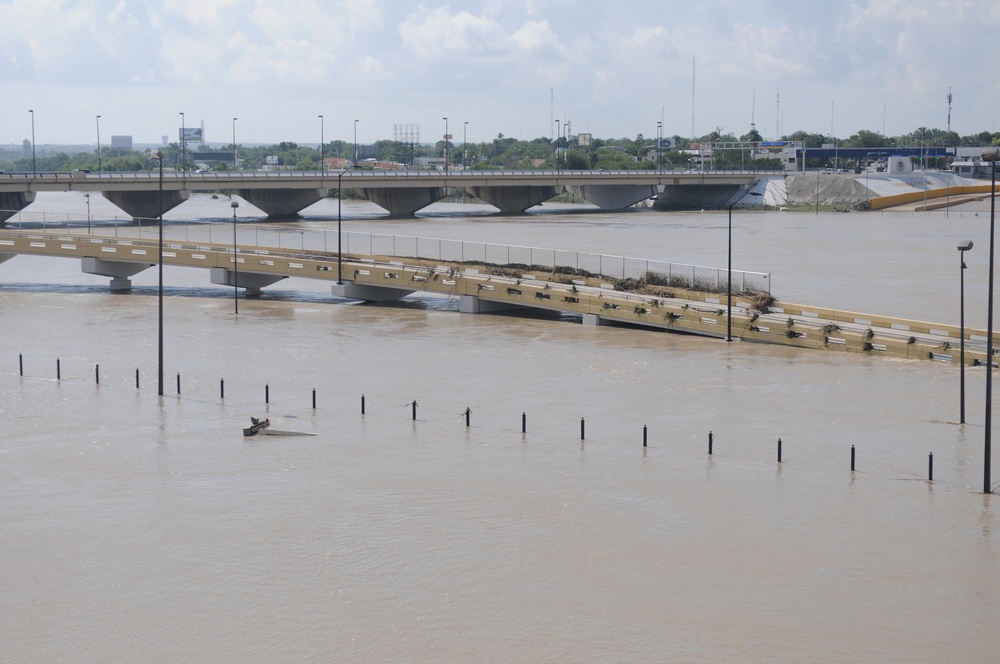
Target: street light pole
99, 165
445, 144
236, 262
87, 196
34, 170
993, 157
340, 198
159, 202
962, 248
729, 270
183, 142
355, 160
659, 135
234, 145
322, 159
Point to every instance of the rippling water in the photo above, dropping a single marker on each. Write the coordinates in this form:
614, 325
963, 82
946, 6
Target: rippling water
146, 529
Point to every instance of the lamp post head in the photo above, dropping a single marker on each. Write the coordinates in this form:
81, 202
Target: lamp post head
965, 246
993, 155
234, 205
157, 155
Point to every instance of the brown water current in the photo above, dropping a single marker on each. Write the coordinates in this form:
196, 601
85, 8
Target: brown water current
139, 528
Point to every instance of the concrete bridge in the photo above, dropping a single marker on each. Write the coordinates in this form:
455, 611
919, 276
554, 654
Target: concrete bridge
482, 288
402, 193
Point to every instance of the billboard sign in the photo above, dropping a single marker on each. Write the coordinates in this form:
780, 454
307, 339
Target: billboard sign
191, 134
584, 140
667, 144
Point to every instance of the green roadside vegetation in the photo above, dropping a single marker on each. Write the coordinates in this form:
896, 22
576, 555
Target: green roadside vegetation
730, 152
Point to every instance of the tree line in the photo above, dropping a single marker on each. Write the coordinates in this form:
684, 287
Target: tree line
503, 152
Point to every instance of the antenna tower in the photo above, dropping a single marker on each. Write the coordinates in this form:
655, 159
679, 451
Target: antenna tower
949, 109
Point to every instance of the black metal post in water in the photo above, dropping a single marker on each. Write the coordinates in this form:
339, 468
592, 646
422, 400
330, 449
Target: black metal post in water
178, 383
709, 442
779, 450
644, 435
20, 364
97, 374
362, 404
222, 388
137, 378
414, 405
267, 393
524, 422
314, 398
468, 413
58, 370
852, 458
583, 429
930, 467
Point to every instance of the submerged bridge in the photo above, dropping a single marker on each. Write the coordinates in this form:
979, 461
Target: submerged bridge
486, 286
402, 193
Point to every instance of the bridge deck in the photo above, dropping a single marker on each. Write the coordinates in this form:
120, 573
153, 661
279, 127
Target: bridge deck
679, 310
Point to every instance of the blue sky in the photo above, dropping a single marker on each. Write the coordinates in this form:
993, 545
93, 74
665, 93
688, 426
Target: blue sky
613, 68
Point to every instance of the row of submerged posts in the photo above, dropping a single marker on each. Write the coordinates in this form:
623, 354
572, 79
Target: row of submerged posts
466, 414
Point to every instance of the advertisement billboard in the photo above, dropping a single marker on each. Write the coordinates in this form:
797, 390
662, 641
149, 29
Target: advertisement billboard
191, 134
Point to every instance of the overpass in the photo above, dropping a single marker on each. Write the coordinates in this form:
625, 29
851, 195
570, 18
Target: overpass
402, 193
485, 287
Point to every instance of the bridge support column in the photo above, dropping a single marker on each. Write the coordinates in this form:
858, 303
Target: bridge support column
251, 282
368, 292
12, 202
593, 320
282, 202
512, 200
404, 202
470, 304
119, 271
614, 196
146, 204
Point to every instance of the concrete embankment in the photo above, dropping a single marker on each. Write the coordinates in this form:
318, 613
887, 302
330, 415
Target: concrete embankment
868, 190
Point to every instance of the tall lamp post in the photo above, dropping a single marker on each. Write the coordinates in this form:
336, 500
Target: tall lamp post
355, 160
322, 159
158, 155
729, 271
465, 143
99, 168
992, 157
445, 144
33, 169
183, 142
962, 248
340, 198
234, 143
659, 138
87, 197
236, 262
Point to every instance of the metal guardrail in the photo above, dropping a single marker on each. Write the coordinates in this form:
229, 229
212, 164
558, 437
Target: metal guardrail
359, 173
609, 266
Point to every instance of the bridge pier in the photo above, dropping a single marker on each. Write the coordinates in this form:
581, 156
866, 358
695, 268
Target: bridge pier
403, 202
369, 293
146, 204
251, 282
12, 202
282, 202
119, 271
470, 304
696, 197
614, 196
512, 200
593, 320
